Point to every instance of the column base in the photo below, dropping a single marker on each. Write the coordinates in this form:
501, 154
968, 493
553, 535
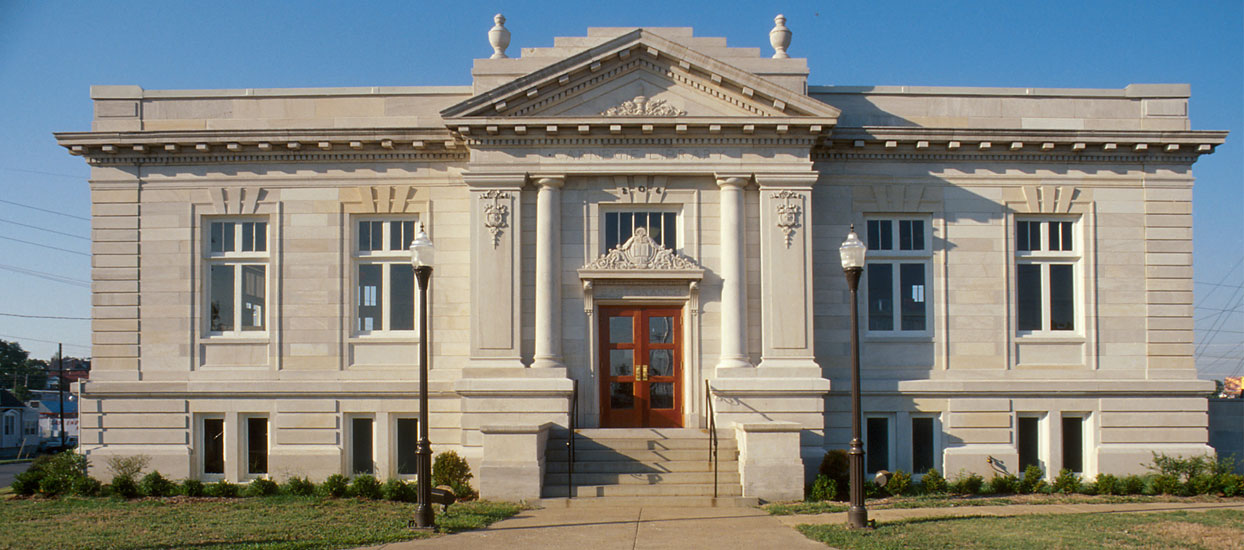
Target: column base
547, 363
734, 363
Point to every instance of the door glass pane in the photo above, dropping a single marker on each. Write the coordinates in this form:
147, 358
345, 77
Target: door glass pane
661, 361
407, 436
621, 395
361, 446
1062, 297
213, 446
880, 297
661, 330
401, 297
621, 362
620, 330
1028, 296
661, 395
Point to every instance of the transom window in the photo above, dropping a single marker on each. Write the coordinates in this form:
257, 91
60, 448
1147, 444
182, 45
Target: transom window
1046, 260
898, 275
237, 276
384, 277
661, 226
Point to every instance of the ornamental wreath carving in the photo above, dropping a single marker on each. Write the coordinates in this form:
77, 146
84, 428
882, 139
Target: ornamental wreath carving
641, 252
788, 214
495, 213
642, 106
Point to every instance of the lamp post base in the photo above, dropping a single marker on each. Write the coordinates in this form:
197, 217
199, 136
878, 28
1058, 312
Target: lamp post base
857, 518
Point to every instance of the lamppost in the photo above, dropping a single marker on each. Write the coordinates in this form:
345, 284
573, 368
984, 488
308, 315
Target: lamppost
421, 255
852, 252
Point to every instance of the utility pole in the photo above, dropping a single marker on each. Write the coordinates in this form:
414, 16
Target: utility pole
60, 364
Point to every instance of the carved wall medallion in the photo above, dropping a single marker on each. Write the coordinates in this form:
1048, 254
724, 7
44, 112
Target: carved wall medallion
641, 252
788, 213
643, 106
495, 213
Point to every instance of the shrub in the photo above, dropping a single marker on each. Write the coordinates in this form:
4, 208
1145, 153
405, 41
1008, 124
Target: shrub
1131, 485
453, 470
1166, 484
336, 486
1033, 480
899, 484
127, 466
156, 485
52, 475
365, 486
262, 487
1066, 482
27, 483
1202, 484
933, 483
836, 467
193, 488
124, 487
87, 486
398, 490
969, 484
222, 489
1107, 485
822, 489
299, 486
1004, 484
1232, 485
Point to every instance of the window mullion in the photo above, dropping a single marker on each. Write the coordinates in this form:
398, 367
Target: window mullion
386, 288
1046, 296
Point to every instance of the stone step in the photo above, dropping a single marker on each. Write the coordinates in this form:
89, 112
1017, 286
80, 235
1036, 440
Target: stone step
642, 433
702, 445
619, 455
634, 467
652, 502
661, 490
654, 478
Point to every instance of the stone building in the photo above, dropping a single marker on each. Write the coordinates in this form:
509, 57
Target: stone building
631, 226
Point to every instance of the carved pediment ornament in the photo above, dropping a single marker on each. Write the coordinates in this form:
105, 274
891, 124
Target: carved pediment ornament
640, 252
788, 213
643, 106
495, 213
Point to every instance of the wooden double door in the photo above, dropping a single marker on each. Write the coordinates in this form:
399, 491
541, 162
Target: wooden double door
641, 367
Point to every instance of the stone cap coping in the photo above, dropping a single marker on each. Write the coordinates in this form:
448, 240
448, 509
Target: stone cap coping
770, 427
516, 429
137, 92
1131, 91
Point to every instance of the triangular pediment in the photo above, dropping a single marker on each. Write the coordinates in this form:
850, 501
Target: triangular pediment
640, 76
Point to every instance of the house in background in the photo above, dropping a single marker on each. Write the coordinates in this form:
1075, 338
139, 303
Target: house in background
48, 405
19, 427
631, 226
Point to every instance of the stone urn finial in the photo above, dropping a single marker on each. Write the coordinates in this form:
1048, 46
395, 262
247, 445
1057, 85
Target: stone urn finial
499, 37
779, 37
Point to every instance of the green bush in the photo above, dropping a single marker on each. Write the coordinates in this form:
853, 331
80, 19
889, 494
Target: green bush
1107, 485
365, 486
899, 483
222, 489
156, 485
87, 486
1033, 480
453, 470
397, 490
299, 486
1202, 484
336, 486
933, 483
262, 487
1166, 484
124, 487
969, 484
58, 473
193, 488
27, 483
1066, 482
822, 489
1232, 485
1131, 485
836, 466
1005, 484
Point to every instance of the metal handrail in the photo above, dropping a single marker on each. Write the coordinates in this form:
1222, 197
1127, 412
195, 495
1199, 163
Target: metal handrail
712, 431
570, 446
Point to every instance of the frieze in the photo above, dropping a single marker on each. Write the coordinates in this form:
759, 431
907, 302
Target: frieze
643, 106
640, 252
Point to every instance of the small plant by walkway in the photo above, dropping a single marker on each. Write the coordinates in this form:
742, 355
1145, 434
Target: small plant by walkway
956, 501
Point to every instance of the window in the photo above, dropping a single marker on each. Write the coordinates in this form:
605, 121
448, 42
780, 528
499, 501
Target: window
256, 445
1073, 443
877, 443
9, 424
385, 279
361, 453
923, 444
898, 275
407, 444
661, 226
1028, 441
237, 276
212, 443
1045, 274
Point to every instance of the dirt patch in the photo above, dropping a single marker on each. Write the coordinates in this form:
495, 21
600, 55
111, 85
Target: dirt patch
1214, 538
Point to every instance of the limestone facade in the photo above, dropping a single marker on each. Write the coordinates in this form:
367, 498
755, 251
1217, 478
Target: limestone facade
1074, 343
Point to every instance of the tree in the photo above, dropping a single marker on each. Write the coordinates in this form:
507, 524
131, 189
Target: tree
18, 372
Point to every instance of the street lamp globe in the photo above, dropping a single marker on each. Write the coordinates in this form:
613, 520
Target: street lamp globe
852, 251
422, 253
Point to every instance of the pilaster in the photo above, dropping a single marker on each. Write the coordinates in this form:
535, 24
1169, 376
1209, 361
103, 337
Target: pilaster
786, 271
496, 269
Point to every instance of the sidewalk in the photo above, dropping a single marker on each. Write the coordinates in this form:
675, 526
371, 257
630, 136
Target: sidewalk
1010, 510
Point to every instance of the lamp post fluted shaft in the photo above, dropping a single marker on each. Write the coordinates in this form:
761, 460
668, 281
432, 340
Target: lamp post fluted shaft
423, 456
857, 514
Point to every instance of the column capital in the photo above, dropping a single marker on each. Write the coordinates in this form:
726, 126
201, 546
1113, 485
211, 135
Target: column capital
733, 180
798, 181
494, 180
548, 181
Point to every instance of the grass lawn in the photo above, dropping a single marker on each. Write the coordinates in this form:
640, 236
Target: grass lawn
1212, 530
953, 501
281, 522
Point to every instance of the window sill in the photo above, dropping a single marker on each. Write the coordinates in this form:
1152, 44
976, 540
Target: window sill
382, 338
898, 338
257, 338
1045, 338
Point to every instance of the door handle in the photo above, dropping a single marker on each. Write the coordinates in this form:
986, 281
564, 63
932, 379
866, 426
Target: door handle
641, 372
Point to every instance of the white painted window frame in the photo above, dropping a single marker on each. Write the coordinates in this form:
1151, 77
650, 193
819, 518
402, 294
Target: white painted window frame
237, 259
383, 258
895, 258
1046, 258
200, 440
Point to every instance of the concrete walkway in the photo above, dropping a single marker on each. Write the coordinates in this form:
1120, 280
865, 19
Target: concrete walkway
625, 528
1011, 510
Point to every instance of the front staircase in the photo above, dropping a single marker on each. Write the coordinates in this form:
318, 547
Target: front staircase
643, 466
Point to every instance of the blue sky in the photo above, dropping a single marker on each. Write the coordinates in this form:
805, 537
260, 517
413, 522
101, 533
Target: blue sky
51, 52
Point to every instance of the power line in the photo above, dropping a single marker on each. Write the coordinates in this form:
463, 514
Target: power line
42, 340
41, 245
44, 317
45, 210
45, 229
45, 275
41, 172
